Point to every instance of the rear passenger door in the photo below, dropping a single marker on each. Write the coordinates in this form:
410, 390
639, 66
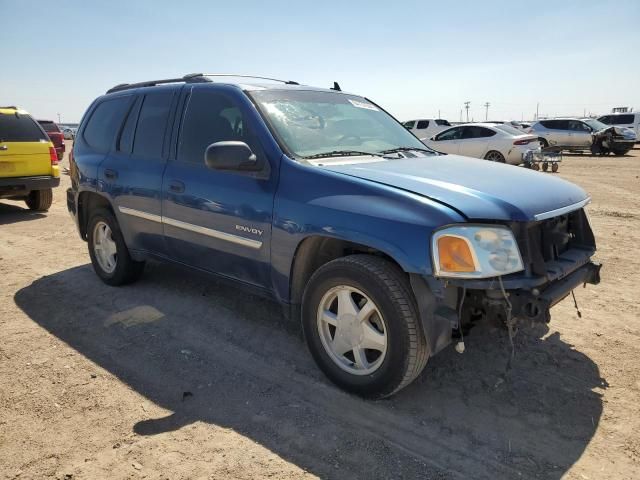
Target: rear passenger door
219, 221
132, 172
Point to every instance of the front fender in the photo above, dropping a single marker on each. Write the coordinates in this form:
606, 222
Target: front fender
315, 202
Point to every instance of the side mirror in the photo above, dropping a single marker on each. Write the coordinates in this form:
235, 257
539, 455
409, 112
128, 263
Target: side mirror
231, 155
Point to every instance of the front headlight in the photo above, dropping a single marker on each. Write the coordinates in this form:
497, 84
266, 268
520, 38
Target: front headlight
475, 252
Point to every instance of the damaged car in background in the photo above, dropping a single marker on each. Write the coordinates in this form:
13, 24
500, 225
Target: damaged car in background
610, 139
578, 135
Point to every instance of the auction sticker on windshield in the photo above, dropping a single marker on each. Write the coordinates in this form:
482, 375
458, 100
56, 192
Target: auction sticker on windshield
368, 106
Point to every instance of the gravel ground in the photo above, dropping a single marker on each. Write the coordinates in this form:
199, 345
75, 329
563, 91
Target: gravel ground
178, 376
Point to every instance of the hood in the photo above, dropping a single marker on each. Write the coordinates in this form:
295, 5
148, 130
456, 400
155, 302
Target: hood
478, 189
624, 132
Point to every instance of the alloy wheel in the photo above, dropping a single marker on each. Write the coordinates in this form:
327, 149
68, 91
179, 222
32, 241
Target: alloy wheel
104, 247
352, 330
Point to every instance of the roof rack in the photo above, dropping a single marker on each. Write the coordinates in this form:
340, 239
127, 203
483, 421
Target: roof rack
192, 78
287, 82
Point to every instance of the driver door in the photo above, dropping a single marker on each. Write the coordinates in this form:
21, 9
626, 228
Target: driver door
447, 141
219, 221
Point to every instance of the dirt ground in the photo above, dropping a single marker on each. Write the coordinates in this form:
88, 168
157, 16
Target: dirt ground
179, 377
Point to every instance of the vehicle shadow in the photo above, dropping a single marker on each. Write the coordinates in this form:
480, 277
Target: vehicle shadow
210, 353
13, 214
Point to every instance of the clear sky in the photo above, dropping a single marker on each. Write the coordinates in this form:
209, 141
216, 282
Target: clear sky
414, 58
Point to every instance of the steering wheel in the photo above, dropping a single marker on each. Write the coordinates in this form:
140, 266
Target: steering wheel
342, 139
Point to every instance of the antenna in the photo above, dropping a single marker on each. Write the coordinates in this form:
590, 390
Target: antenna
336, 87
466, 105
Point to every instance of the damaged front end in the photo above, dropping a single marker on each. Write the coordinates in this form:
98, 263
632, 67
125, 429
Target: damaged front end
616, 140
556, 258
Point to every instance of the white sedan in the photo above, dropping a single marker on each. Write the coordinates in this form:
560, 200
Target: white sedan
498, 143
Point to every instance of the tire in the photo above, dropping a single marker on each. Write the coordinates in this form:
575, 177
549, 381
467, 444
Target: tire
554, 167
368, 279
545, 166
124, 270
40, 200
619, 153
535, 166
494, 156
543, 143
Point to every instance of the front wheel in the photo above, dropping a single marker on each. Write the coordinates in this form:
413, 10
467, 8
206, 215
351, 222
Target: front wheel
40, 200
362, 326
109, 253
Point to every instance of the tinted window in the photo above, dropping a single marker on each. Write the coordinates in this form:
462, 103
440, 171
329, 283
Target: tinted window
477, 132
451, 134
606, 119
49, 126
152, 124
422, 124
621, 119
443, 123
19, 128
212, 117
556, 124
125, 144
410, 124
105, 122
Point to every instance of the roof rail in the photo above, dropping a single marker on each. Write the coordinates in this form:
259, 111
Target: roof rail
11, 106
193, 78
194, 75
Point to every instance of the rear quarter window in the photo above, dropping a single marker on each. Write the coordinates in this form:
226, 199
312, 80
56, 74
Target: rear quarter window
422, 124
105, 122
20, 128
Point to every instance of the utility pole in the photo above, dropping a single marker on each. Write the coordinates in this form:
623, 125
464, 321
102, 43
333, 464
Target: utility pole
486, 114
537, 109
439, 114
460, 115
466, 105
58, 118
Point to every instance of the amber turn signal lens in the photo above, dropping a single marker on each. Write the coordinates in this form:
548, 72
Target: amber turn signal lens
455, 255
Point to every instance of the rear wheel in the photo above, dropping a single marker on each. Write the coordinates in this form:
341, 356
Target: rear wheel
545, 166
362, 326
40, 200
494, 156
109, 253
554, 167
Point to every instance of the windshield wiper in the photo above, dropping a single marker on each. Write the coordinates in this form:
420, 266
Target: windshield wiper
406, 149
342, 153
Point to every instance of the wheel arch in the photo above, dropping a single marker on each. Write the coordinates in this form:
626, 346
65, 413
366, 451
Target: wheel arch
317, 250
88, 201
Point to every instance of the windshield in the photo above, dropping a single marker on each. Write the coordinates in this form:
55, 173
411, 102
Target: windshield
312, 123
595, 124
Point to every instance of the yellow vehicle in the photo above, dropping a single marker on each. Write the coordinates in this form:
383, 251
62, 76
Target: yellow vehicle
28, 161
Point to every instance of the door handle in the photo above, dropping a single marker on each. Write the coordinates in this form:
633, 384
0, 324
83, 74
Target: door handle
176, 186
110, 174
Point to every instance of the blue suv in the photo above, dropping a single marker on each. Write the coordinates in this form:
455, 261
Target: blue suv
385, 249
